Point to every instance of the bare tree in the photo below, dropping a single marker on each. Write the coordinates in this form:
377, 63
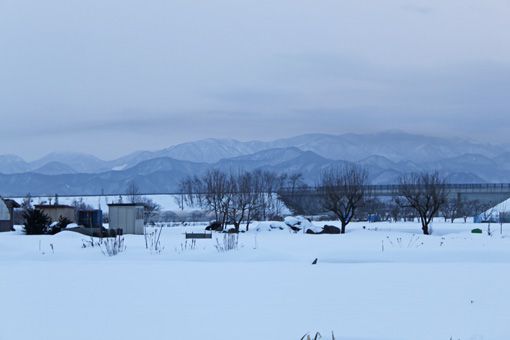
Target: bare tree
300, 198
245, 198
209, 192
215, 194
373, 207
80, 204
451, 209
473, 208
151, 209
295, 180
267, 184
133, 192
27, 202
426, 193
395, 210
190, 188
342, 191
134, 195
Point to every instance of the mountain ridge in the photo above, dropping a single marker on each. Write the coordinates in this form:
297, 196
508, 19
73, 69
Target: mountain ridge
386, 156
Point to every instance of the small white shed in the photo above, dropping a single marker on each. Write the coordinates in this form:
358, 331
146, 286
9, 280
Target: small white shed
126, 216
7, 207
5, 217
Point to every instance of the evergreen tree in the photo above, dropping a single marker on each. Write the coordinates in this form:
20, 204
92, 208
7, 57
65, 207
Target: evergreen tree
36, 221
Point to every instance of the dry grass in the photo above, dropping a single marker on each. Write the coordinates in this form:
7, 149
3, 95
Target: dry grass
317, 336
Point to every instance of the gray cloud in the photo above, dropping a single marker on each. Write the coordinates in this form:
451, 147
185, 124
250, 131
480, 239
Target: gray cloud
112, 77
420, 9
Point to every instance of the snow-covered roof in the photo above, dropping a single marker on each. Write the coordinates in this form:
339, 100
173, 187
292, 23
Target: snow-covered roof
502, 207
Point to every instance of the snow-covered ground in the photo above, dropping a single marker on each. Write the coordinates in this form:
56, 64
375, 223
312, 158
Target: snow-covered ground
384, 281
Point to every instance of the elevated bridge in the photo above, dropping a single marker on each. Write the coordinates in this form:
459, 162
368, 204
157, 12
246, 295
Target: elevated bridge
491, 193
494, 193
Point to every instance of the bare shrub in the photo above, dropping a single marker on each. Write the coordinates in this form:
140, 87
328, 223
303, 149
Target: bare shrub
317, 336
112, 246
187, 245
91, 243
153, 239
413, 242
227, 243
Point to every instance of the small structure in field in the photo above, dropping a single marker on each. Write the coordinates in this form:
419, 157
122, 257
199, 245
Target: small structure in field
126, 216
197, 236
90, 218
7, 214
55, 211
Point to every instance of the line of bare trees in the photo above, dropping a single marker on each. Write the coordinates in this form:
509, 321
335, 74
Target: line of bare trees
344, 193
461, 208
236, 197
240, 197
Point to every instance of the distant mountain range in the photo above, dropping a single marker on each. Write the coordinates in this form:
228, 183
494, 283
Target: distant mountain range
386, 156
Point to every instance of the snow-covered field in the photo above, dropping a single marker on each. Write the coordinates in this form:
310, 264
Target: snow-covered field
383, 282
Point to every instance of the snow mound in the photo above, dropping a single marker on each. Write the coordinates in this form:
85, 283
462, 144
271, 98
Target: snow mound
299, 223
269, 226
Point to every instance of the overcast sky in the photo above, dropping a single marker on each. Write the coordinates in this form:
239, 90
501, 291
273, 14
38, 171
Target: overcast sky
112, 76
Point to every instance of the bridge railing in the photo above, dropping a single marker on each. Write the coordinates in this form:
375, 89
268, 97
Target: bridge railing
394, 188
485, 186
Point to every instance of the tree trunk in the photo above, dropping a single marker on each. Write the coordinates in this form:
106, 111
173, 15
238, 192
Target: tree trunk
425, 228
343, 228
224, 221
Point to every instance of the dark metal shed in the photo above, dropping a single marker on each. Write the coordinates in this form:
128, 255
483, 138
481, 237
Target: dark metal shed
90, 218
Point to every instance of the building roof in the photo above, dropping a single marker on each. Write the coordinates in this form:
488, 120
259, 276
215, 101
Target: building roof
53, 206
125, 205
11, 203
